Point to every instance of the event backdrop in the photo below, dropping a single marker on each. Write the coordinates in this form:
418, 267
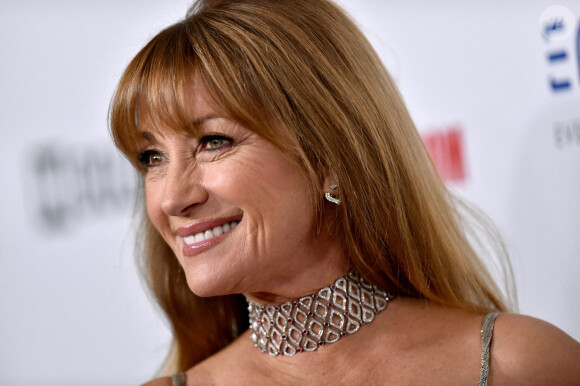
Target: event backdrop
494, 88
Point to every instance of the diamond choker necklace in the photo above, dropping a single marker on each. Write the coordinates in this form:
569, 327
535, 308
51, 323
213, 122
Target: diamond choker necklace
313, 321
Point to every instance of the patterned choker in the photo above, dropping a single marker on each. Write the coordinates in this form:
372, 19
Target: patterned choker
315, 320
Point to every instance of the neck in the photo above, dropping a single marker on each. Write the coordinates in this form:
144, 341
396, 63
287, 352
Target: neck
321, 270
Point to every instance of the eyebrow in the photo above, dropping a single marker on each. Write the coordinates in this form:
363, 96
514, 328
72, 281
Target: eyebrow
203, 119
149, 136
195, 122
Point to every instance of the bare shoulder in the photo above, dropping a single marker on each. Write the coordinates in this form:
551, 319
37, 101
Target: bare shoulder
163, 381
529, 350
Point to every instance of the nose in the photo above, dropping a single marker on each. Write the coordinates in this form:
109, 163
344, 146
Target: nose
183, 190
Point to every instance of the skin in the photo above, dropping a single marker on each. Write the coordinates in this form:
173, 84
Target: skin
276, 254
224, 172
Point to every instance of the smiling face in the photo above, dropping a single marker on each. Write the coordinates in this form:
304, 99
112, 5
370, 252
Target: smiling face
234, 209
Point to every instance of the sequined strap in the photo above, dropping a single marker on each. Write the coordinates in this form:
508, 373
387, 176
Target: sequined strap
486, 334
178, 379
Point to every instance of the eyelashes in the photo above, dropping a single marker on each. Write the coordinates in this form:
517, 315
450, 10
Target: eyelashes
209, 148
149, 158
215, 142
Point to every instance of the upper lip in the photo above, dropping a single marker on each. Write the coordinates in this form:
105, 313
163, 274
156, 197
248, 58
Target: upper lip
204, 225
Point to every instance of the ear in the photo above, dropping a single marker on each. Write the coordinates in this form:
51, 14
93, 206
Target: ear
331, 189
330, 184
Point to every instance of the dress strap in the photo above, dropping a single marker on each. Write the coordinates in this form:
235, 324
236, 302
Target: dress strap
178, 379
486, 334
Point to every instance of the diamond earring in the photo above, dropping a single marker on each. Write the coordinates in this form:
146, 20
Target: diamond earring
330, 197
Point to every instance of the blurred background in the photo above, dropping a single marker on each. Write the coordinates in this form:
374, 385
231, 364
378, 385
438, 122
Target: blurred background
493, 87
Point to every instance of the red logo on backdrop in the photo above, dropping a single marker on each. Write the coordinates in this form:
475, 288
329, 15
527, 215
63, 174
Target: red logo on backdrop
446, 150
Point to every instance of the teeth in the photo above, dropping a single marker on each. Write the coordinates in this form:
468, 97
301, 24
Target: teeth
210, 233
217, 231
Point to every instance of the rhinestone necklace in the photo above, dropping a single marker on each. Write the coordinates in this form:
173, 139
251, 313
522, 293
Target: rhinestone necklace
313, 321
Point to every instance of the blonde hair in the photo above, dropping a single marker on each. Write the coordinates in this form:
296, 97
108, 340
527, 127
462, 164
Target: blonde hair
303, 66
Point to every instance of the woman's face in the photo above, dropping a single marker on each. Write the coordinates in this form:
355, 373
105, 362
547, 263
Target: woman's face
234, 209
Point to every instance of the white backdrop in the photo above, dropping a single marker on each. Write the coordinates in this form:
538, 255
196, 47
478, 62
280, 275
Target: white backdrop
494, 92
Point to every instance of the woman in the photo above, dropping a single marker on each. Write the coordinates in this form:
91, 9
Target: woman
288, 191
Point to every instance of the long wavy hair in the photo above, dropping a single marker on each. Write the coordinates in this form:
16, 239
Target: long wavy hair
304, 67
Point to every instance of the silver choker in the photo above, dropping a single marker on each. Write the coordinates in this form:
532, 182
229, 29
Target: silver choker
313, 321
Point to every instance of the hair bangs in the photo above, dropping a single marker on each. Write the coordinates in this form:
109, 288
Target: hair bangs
152, 92
233, 62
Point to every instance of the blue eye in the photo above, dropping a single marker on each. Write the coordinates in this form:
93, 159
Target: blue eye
215, 142
150, 158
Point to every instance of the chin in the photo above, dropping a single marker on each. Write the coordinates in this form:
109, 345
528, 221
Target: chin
206, 286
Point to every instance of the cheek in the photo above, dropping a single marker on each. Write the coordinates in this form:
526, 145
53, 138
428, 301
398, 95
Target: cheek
270, 189
153, 206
